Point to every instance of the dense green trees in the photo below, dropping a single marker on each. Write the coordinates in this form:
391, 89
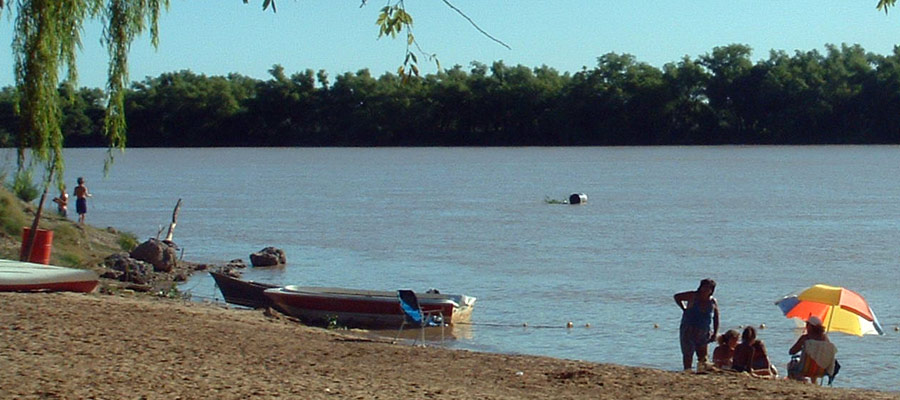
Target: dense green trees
843, 95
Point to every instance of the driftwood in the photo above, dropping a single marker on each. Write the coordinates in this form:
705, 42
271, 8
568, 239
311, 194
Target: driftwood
174, 221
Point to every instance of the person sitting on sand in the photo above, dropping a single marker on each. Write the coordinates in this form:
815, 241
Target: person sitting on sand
751, 356
724, 352
699, 311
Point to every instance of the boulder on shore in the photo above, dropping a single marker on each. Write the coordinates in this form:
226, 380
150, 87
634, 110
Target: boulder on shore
268, 257
162, 254
122, 267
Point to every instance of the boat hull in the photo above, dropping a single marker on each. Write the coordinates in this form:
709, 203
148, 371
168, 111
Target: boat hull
241, 292
367, 309
18, 276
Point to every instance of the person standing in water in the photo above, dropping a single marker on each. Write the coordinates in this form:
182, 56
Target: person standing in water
699, 323
81, 195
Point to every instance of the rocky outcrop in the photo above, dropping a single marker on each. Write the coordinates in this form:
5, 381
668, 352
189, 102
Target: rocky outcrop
267, 257
163, 255
122, 267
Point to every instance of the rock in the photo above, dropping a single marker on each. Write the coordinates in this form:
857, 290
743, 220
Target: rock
162, 254
268, 257
232, 272
123, 268
236, 263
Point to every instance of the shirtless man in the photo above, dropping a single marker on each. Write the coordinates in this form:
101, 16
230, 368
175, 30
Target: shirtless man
81, 195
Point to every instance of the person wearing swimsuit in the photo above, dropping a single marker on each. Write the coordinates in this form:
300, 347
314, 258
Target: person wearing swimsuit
751, 356
81, 195
699, 322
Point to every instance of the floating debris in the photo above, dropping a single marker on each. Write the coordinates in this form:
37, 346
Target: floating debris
548, 200
577, 198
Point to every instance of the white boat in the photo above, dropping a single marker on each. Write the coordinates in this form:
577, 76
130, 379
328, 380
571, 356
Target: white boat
19, 276
370, 309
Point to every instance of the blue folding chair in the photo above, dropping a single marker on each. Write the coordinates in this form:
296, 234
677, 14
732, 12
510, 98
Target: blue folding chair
414, 315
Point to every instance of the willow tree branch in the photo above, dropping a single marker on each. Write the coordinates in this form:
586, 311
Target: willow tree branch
478, 28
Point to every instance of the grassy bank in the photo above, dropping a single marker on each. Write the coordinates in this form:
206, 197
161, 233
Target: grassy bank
74, 245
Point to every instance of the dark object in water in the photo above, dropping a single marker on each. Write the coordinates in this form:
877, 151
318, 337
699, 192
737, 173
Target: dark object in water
241, 292
577, 198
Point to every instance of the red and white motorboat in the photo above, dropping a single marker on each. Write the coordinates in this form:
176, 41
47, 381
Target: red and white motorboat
19, 276
370, 309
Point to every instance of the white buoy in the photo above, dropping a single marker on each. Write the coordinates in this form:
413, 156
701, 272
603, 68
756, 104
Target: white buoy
569, 324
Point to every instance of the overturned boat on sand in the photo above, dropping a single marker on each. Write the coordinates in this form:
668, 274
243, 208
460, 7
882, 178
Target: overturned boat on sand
19, 276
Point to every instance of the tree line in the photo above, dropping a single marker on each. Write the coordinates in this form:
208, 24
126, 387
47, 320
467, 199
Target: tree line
842, 96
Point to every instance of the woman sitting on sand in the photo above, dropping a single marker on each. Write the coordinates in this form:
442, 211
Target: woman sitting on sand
751, 356
724, 352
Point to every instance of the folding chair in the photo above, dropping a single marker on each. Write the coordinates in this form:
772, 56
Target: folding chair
816, 361
414, 315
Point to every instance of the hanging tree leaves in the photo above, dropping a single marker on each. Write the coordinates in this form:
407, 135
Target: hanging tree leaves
48, 37
126, 20
46, 42
393, 18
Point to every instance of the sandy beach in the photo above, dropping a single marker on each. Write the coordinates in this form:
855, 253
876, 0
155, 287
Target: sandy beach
73, 346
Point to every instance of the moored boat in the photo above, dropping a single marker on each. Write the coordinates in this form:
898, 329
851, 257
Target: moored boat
370, 309
19, 276
241, 292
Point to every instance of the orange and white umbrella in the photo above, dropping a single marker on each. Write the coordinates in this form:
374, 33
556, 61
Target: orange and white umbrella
839, 309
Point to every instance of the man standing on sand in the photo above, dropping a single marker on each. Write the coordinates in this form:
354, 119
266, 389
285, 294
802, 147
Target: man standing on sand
81, 195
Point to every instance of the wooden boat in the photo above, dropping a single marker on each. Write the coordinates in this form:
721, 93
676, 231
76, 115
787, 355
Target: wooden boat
19, 276
241, 292
370, 309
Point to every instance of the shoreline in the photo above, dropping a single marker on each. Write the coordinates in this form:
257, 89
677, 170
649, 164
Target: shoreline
67, 345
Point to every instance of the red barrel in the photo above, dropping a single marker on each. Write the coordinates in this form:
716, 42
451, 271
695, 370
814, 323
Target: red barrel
43, 243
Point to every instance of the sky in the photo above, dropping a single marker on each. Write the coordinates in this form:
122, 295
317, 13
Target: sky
218, 37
